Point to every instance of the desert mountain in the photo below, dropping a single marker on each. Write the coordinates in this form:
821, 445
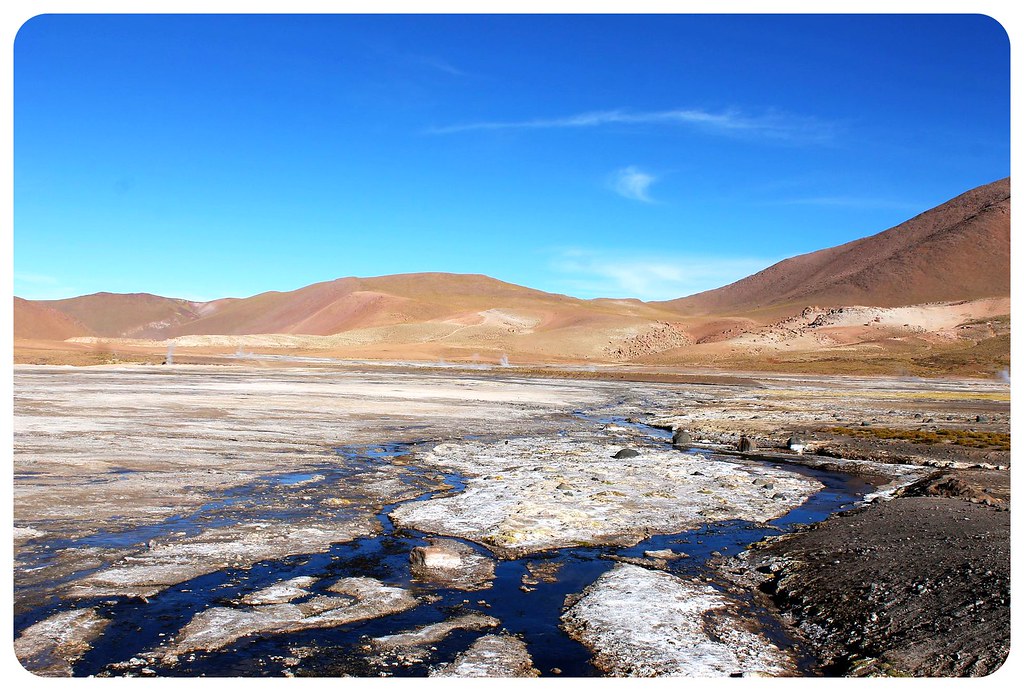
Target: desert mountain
938, 282
323, 309
957, 251
121, 315
357, 303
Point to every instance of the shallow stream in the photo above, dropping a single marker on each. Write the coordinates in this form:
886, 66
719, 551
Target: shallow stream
531, 612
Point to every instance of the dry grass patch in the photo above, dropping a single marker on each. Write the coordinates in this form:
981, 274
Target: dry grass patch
969, 438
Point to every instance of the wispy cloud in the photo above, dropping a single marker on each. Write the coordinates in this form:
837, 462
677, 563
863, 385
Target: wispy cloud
853, 203
591, 273
771, 125
632, 183
439, 64
35, 279
37, 286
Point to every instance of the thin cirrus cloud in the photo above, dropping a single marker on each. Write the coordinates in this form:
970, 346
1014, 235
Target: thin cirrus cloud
610, 274
439, 64
35, 279
632, 183
36, 286
771, 125
853, 203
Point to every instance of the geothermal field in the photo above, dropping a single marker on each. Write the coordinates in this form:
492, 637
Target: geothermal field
554, 345
335, 519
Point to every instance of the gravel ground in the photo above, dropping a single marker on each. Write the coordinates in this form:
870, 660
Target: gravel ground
916, 586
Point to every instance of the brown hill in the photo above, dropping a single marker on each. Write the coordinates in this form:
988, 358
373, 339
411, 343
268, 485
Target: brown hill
124, 315
957, 251
354, 303
332, 307
33, 319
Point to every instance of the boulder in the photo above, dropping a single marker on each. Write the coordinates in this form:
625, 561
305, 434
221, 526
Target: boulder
436, 556
796, 443
626, 453
452, 564
681, 438
746, 444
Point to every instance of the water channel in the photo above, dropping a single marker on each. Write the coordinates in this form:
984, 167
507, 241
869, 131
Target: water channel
532, 613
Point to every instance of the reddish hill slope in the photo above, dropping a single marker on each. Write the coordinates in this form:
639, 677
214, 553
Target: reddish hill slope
350, 303
957, 251
36, 320
326, 308
128, 315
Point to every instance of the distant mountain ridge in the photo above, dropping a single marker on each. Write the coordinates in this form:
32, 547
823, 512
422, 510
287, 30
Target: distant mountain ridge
325, 308
959, 250
956, 251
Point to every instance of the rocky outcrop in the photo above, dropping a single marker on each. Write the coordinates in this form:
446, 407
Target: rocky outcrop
655, 339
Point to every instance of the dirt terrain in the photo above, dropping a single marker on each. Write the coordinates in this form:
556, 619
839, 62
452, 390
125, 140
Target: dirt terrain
941, 339
139, 490
916, 586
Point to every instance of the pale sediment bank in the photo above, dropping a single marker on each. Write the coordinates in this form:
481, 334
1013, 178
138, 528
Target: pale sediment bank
531, 494
643, 623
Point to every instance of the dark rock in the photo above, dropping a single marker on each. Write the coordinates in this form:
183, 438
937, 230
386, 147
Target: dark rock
453, 564
437, 556
981, 418
746, 444
626, 453
681, 438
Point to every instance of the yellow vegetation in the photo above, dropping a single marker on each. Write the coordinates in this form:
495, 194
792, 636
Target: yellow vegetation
978, 440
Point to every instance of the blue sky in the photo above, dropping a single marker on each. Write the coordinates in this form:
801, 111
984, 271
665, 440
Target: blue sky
616, 156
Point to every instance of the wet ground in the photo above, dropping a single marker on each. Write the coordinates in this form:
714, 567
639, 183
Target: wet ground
147, 498
530, 612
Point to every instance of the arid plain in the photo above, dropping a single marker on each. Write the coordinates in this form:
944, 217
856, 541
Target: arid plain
198, 495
